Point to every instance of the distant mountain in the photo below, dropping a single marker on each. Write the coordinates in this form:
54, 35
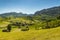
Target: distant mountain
54, 11
49, 13
14, 14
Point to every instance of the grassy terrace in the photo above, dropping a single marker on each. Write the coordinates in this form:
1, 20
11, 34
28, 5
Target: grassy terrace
43, 34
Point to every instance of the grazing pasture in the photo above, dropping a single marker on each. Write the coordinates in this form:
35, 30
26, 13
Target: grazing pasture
43, 34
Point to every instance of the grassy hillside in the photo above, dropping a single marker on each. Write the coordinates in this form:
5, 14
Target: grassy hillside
43, 25
44, 34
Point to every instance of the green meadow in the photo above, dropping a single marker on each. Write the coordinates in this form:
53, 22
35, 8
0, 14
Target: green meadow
43, 34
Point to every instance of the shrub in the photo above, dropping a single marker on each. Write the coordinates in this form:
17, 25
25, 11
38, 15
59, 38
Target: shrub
25, 29
5, 30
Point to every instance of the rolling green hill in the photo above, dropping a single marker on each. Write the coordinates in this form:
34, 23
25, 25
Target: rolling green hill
41, 18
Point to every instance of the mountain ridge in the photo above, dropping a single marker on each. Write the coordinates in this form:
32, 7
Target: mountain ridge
53, 11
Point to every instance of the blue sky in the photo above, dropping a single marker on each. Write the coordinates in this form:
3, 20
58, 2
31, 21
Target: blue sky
26, 6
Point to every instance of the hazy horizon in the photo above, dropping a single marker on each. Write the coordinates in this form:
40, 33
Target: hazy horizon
26, 6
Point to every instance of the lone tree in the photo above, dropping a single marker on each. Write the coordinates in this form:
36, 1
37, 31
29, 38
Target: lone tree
9, 27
